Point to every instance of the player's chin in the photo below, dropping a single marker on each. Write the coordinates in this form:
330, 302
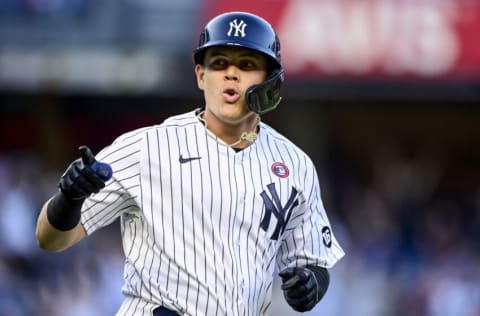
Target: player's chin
234, 113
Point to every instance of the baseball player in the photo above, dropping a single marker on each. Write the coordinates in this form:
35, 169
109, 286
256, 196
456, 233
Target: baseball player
212, 202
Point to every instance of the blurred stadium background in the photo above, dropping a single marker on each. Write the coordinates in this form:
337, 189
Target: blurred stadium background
383, 95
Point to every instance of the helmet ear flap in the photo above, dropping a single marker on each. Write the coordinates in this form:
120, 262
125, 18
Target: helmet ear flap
265, 97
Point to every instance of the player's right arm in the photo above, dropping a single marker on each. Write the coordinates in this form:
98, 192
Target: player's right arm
58, 225
52, 239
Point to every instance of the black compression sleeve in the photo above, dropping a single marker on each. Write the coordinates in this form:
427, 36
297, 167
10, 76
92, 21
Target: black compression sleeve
323, 279
64, 213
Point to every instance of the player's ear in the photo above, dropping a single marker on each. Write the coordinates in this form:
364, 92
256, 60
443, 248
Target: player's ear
200, 73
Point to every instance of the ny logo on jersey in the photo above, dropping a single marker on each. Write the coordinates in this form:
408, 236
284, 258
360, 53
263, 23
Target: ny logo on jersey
239, 28
273, 205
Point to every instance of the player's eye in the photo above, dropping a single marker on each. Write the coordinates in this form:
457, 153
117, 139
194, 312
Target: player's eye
218, 63
247, 64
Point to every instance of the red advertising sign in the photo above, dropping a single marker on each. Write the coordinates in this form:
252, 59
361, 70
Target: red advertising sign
424, 40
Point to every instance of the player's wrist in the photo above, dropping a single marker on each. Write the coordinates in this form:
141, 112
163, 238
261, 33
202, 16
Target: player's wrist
64, 213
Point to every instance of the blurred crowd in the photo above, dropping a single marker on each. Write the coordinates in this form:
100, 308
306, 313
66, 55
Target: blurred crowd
408, 220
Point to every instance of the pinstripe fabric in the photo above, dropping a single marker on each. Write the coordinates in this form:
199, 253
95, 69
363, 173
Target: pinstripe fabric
192, 232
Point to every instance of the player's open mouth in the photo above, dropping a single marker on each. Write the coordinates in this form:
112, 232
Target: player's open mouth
231, 95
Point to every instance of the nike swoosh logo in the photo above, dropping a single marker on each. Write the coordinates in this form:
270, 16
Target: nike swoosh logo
188, 159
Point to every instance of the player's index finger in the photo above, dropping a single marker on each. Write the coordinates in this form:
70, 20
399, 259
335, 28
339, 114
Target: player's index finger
87, 155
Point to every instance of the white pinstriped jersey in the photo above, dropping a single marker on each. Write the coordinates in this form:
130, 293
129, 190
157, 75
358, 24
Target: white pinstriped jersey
204, 226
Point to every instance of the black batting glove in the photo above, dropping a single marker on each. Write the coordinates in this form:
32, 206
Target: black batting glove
300, 288
80, 180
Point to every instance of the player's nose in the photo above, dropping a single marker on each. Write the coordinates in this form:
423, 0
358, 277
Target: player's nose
231, 73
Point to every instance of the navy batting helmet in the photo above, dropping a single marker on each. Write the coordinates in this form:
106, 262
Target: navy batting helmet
240, 29
247, 30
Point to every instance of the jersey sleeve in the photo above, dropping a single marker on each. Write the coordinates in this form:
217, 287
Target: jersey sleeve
120, 194
310, 239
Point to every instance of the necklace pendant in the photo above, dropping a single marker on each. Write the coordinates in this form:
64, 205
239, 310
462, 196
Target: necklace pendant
250, 137
246, 136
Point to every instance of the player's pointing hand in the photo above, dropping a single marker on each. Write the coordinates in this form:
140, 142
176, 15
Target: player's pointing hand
84, 176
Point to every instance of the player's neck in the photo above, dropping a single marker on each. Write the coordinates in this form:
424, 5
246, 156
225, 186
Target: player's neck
234, 135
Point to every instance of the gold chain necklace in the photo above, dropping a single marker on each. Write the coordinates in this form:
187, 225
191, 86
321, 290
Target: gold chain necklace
246, 136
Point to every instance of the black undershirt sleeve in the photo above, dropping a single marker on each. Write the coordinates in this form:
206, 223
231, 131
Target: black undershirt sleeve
64, 213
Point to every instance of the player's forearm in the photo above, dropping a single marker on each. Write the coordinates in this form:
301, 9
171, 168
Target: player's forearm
58, 225
52, 239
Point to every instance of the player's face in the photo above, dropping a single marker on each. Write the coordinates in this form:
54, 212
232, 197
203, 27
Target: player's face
225, 76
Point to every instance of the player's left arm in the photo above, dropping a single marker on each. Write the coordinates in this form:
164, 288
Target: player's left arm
305, 279
309, 248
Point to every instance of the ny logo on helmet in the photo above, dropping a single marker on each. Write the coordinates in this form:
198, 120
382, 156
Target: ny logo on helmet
239, 28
